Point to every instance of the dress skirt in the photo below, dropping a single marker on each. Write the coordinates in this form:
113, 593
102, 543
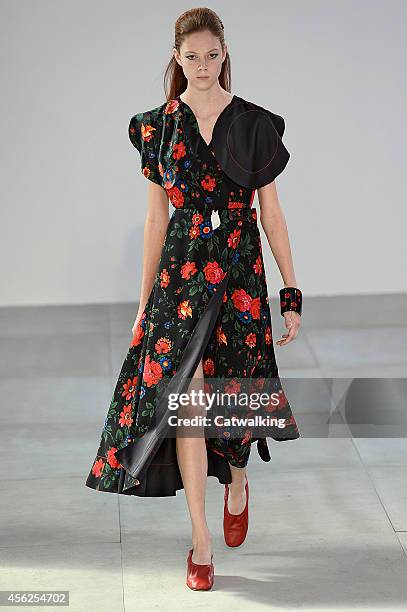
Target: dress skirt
209, 301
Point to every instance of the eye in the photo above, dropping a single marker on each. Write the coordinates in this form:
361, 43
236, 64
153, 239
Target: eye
212, 55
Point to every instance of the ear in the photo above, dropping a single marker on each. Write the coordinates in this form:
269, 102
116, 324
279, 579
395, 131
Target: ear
176, 55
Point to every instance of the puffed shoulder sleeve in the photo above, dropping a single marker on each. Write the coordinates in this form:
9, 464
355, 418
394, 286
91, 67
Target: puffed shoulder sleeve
278, 123
248, 145
142, 133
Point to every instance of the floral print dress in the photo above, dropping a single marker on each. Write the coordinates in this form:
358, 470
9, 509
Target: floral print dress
209, 301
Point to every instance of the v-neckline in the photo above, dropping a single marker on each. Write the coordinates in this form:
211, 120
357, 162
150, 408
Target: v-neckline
207, 145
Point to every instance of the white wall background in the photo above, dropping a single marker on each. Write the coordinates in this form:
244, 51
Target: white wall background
73, 199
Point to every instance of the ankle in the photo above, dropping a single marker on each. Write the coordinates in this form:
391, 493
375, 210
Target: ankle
202, 539
237, 486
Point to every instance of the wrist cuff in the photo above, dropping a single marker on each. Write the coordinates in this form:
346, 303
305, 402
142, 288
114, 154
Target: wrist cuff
290, 299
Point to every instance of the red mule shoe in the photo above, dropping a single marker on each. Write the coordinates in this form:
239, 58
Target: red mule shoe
199, 577
235, 525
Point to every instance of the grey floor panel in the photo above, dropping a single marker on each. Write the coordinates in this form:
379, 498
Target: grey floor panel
49, 511
91, 572
55, 450
308, 572
55, 355
55, 399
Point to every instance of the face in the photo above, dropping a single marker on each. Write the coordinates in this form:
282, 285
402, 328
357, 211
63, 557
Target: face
201, 59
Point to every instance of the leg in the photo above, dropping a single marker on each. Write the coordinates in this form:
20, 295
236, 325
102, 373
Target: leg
237, 493
193, 464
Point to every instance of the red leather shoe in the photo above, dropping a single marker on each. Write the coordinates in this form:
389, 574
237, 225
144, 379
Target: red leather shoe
199, 577
235, 525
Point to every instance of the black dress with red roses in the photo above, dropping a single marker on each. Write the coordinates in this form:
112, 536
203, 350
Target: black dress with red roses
209, 301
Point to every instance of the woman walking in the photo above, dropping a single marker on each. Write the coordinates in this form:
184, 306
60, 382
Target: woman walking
204, 310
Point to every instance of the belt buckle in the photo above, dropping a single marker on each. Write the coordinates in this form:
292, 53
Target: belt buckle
215, 219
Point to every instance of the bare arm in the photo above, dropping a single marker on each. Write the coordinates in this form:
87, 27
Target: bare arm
155, 228
273, 222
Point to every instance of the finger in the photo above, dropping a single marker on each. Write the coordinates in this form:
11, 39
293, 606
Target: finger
283, 342
287, 337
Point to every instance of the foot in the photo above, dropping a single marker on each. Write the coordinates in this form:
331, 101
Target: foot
202, 548
237, 497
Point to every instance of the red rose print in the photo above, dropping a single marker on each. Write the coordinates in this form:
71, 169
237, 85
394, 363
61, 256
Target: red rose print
188, 269
213, 272
111, 459
208, 183
97, 468
241, 300
176, 196
255, 308
163, 345
138, 335
233, 386
179, 151
152, 372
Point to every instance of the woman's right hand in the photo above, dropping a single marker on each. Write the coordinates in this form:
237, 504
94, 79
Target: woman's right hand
137, 320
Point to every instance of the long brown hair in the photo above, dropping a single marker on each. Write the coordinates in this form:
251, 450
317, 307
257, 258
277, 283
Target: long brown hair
194, 20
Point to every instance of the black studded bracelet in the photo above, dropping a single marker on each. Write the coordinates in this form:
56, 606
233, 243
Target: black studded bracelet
290, 299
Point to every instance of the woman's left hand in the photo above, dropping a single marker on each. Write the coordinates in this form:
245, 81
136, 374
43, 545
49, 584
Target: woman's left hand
292, 323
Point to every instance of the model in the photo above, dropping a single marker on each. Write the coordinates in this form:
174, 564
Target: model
204, 310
